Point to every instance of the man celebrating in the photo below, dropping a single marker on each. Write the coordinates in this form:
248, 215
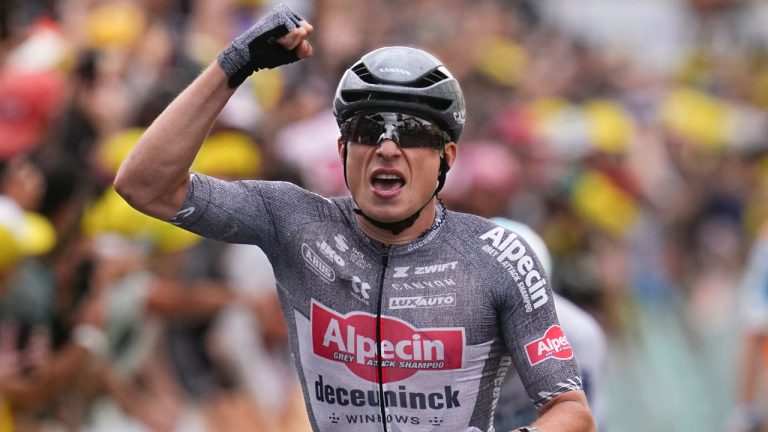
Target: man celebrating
403, 316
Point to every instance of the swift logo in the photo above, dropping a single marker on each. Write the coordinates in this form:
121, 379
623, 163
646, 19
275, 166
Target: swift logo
519, 263
401, 272
552, 345
317, 264
440, 300
351, 339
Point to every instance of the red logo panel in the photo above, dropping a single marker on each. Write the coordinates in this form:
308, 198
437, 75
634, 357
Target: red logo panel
552, 344
351, 339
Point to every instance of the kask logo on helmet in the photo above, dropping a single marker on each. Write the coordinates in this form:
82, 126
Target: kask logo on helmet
351, 339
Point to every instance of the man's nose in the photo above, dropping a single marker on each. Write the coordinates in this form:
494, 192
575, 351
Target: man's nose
388, 148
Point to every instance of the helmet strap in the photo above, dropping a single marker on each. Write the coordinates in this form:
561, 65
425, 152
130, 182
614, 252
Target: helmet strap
444, 167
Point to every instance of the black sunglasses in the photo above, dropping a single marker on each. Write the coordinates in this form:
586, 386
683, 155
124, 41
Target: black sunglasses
406, 130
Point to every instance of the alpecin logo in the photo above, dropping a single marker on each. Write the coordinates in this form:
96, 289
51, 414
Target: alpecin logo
515, 258
552, 345
351, 339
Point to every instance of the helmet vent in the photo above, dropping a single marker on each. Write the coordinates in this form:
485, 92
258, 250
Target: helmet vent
433, 77
362, 71
351, 96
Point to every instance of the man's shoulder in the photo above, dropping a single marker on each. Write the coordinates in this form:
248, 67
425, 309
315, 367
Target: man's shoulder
472, 233
471, 224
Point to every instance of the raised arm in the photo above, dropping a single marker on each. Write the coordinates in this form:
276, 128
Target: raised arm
154, 178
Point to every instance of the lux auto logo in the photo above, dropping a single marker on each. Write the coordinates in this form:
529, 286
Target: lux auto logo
427, 301
351, 339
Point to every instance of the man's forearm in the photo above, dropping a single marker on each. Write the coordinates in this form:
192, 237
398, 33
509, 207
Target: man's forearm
154, 178
568, 412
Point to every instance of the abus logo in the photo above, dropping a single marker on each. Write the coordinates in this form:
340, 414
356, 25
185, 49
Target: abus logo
351, 339
317, 264
552, 344
439, 300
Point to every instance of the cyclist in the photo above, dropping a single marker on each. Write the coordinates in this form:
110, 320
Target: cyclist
584, 333
402, 315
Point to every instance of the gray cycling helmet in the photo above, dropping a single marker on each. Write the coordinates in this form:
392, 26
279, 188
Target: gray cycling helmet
402, 79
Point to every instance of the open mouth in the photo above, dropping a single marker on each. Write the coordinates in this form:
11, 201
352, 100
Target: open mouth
387, 182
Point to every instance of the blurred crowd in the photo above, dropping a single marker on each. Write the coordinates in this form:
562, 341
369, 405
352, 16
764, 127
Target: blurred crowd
647, 179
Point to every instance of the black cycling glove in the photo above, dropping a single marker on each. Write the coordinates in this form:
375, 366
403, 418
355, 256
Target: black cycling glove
258, 48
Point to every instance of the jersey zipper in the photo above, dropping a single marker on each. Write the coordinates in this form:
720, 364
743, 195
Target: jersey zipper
379, 369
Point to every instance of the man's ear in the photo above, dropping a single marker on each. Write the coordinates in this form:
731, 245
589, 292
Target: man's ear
450, 152
341, 148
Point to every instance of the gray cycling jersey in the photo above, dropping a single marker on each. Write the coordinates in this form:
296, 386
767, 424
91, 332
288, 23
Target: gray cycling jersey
414, 337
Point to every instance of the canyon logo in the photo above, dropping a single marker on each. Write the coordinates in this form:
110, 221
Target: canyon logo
351, 339
552, 345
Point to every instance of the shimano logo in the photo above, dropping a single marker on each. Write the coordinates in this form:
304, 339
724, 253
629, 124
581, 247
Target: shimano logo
317, 264
395, 70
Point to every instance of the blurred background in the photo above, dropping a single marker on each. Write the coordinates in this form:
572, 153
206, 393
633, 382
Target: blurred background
632, 136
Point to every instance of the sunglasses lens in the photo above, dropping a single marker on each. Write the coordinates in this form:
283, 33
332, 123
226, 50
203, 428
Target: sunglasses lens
408, 131
416, 132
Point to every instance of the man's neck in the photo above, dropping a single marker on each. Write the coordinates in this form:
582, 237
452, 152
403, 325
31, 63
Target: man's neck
423, 223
